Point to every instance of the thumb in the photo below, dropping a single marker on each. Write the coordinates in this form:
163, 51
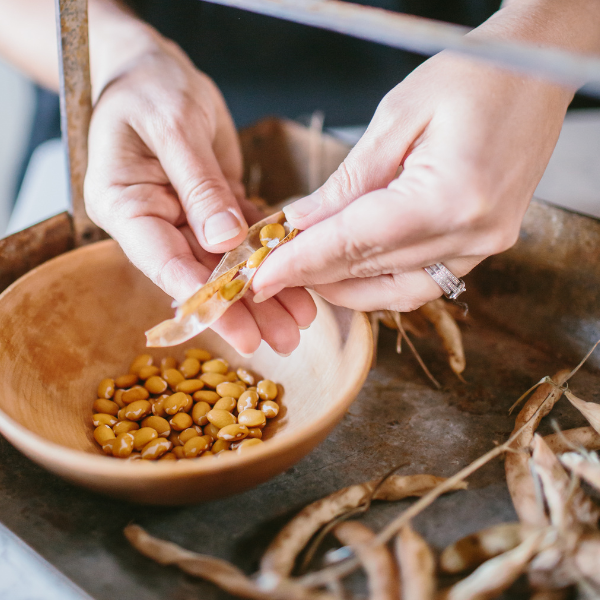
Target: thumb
369, 166
207, 199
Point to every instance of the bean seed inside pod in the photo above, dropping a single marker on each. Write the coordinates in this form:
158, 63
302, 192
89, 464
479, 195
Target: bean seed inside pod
254, 261
231, 289
271, 235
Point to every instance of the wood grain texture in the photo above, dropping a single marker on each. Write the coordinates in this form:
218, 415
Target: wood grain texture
89, 323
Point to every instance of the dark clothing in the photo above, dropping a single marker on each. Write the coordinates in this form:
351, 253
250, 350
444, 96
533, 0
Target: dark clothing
266, 66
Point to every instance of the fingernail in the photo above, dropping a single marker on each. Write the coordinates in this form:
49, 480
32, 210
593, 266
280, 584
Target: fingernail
267, 293
281, 354
303, 328
303, 207
221, 227
246, 355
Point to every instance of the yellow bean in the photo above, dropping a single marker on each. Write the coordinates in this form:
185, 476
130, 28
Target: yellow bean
181, 421
126, 381
231, 377
198, 353
269, 408
220, 418
160, 425
255, 432
231, 289
108, 446
226, 403
135, 393
139, 362
168, 362
211, 430
156, 384
104, 419
209, 439
142, 436
174, 438
178, 452
252, 418
190, 367
101, 405
156, 448
187, 434
220, 446
212, 380
103, 433
267, 390
246, 376
189, 404
190, 386
217, 365
254, 261
123, 445
135, 456
194, 446
147, 372
233, 433
248, 443
173, 377
230, 389
199, 413
137, 410
271, 235
207, 396
125, 427
248, 399
158, 406
167, 456
106, 388
175, 403
118, 398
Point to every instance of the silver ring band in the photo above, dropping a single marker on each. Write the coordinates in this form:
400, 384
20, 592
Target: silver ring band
452, 286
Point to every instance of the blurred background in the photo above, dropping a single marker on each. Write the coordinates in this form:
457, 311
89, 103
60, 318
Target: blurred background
265, 67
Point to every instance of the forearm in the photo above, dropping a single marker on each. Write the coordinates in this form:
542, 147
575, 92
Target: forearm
573, 25
28, 39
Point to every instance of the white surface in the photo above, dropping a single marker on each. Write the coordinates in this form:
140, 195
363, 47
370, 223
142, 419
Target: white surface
16, 112
25, 575
572, 178
44, 190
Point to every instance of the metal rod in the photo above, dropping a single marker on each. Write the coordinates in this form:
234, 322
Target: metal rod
425, 36
75, 106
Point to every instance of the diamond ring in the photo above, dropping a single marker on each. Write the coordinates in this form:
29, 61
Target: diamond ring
452, 285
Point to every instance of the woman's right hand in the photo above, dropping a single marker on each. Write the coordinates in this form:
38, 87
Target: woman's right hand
164, 180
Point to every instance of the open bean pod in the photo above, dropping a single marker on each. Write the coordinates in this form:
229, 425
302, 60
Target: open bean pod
228, 283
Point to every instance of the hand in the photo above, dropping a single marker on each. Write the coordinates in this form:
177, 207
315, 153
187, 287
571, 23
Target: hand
164, 180
473, 142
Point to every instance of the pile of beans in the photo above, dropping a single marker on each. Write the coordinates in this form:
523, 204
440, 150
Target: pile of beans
170, 412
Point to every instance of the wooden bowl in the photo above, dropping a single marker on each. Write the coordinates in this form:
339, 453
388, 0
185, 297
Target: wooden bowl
81, 317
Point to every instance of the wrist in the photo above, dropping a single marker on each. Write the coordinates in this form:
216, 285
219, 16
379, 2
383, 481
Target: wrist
117, 40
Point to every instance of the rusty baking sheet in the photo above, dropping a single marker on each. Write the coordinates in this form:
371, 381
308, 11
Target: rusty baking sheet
532, 309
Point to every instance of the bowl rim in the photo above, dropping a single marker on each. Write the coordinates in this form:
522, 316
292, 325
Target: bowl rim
32, 444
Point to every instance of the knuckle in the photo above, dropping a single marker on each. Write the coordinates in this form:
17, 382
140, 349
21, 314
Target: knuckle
343, 183
198, 195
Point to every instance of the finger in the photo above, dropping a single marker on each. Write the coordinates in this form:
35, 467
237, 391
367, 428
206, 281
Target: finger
369, 166
402, 292
375, 224
300, 304
163, 254
210, 205
276, 325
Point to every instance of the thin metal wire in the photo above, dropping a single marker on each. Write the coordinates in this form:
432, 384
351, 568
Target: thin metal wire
425, 36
